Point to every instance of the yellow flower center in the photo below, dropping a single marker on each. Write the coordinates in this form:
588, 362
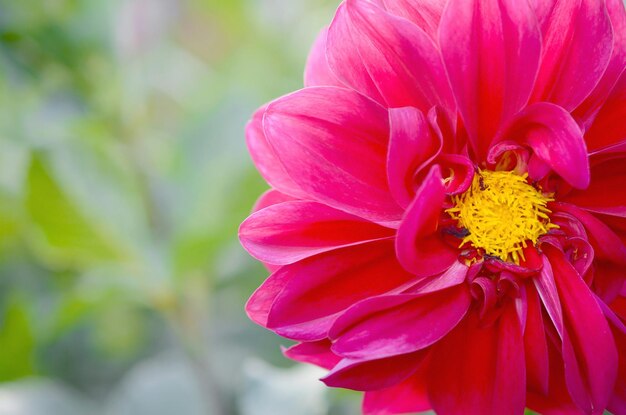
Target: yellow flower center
502, 213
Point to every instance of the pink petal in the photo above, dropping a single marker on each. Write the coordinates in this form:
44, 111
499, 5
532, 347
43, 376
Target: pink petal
531, 266
602, 195
460, 172
369, 49
546, 288
269, 198
419, 247
556, 139
265, 158
491, 51
345, 59
579, 253
480, 370
509, 155
408, 396
454, 275
333, 143
317, 353
537, 168
446, 131
609, 129
317, 72
416, 323
619, 305
320, 287
411, 147
617, 405
616, 323
569, 224
593, 361
585, 112
535, 345
365, 309
608, 280
485, 291
372, 375
426, 13
260, 303
619, 148
558, 401
577, 46
606, 244
290, 231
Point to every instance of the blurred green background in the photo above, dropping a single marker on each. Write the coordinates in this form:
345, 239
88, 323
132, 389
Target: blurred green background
123, 178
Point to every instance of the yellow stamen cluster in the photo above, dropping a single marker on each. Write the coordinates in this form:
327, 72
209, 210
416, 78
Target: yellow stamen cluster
502, 213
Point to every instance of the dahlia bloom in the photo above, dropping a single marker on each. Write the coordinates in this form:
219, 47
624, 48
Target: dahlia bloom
446, 225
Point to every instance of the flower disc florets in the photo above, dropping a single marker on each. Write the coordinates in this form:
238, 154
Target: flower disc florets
502, 212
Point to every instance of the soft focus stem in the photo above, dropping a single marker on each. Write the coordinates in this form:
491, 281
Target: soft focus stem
188, 332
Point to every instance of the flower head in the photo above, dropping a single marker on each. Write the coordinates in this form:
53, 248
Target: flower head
447, 220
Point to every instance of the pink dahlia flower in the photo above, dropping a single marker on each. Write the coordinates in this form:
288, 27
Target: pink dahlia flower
447, 220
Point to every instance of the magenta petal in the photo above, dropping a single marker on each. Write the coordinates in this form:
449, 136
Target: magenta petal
556, 139
365, 309
260, 303
509, 396
317, 72
602, 195
500, 156
617, 405
593, 362
369, 48
588, 109
269, 198
426, 13
535, 345
446, 131
288, 232
454, 275
619, 148
573, 31
580, 254
460, 172
619, 305
411, 147
485, 291
406, 397
368, 375
344, 58
491, 51
419, 247
558, 401
608, 281
410, 326
616, 323
333, 143
265, 158
546, 287
537, 168
608, 131
317, 353
320, 287
606, 244
480, 370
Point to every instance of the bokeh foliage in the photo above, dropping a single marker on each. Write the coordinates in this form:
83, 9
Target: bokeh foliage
123, 178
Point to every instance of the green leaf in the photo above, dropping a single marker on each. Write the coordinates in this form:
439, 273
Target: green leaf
66, 235
16, 343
